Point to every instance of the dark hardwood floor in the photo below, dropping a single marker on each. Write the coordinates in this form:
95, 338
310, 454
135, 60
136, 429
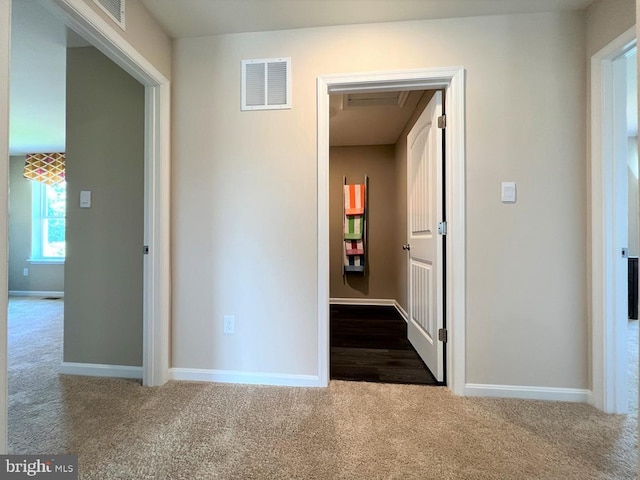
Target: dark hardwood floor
370, 344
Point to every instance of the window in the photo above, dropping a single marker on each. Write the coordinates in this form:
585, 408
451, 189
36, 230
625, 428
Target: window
48, 222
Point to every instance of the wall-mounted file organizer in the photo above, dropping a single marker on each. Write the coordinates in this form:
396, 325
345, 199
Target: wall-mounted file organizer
354, 220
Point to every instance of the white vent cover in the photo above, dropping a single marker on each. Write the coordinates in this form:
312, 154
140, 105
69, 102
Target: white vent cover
266, 84
113, 8
375, 99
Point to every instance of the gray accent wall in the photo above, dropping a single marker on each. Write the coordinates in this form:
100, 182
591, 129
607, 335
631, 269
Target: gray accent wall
41, 277
104, 265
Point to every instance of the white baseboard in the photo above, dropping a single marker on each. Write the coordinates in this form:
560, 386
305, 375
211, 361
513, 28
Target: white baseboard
373, 302
251, 378
376, 302
590, 400
99, 370
402, 311
529, 393
34, 293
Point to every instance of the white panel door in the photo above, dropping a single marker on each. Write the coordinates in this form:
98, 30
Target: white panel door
424, 198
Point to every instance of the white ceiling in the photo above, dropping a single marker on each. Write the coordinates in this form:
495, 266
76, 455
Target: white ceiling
195, 18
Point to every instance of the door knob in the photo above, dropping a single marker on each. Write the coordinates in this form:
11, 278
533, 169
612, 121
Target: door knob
406, 246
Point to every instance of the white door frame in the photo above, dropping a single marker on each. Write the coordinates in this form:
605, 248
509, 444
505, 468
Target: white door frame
77, 15
452, 80
609, 363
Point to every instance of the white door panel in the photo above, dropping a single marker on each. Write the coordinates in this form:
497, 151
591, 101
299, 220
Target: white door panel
424, 203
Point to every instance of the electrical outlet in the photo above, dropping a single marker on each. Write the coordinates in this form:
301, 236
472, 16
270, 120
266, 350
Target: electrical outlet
229, 327
25, 272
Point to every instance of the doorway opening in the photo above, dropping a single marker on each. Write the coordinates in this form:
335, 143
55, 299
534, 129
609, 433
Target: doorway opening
152, 150
451, 80
368, 319
629, 62
91, 26
377, 321
81, 18
614, 225
64, 148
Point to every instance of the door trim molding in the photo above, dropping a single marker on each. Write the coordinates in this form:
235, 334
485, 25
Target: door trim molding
77, 15
606, 358
452, 79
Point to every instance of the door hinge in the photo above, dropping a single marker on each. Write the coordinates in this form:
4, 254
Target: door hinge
442, 228
442, 335
625, 253
442, 121
145, 250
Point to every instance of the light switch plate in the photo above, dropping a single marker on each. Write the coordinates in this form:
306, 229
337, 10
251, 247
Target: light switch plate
509, 192
85, 199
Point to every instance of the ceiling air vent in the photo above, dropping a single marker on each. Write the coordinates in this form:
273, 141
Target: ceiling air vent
266, 84
113, 8
375, 99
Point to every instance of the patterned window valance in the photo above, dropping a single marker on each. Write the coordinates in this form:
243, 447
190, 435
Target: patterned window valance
45, 167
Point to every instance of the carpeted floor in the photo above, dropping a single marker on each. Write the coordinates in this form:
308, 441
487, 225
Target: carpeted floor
632, 369
194, 431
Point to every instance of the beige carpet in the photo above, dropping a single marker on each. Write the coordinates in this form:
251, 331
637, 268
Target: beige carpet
191, 431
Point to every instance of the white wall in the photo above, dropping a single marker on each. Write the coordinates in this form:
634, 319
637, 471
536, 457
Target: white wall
244, 186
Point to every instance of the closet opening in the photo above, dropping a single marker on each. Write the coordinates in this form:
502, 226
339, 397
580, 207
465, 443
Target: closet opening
371, 213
